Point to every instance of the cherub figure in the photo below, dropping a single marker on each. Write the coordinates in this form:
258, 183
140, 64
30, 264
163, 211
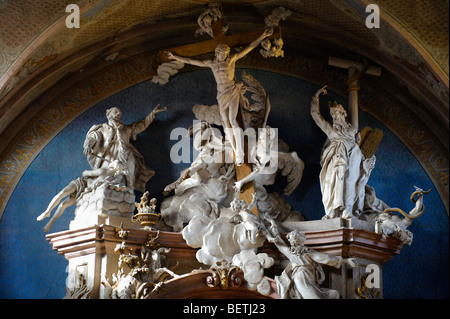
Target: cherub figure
229, 92
253, 224
272, 50
208, 18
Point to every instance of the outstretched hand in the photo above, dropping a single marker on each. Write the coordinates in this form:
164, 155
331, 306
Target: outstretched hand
168, 55
351, 262
158, 109
322, 90
268, 32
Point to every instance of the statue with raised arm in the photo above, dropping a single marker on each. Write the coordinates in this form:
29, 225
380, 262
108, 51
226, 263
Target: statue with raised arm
304, 274
229, 92
110, 141
345, 170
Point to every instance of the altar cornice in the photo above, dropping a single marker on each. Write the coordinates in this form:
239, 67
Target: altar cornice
343, 241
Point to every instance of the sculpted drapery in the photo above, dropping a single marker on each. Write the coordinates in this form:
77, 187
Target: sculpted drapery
110, 141
345, 170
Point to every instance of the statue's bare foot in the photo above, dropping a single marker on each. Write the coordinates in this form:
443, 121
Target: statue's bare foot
43, 215
47, 227
346, 215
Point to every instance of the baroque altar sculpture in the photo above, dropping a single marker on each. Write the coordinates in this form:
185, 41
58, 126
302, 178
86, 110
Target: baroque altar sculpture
345, 169
205, 205
218, 213
229, 93
117, 170
304, 274
145, 273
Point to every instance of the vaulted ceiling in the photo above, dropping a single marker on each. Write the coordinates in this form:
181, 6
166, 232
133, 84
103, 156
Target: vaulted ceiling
40, 57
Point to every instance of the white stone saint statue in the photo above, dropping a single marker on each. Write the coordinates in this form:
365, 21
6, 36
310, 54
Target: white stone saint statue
304, 274
229, 92
345, 170
111, 141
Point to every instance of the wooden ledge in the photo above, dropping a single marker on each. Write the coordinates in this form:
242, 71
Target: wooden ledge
199, 284
344, 241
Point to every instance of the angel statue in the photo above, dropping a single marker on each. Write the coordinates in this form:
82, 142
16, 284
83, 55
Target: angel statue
253, 225
229, 92
304, 274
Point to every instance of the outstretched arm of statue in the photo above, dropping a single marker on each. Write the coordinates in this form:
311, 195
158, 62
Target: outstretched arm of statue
315, 112
253, 203
281, 245
267, 33
199, 63
315, 100
195, 166
144, 124
250, 177
333, 261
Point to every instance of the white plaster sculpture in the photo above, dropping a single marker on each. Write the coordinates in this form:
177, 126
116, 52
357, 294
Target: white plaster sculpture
205, 184
145, 272
253, 266
304, 274
268, 155
229, 93
206, 19
268, 161
219, 238
166, 70
254, 111
345, 171
388, 224
117, 170
253, 225
277, 14
110, 141
114, 176
204, 205
215, 156
274, 48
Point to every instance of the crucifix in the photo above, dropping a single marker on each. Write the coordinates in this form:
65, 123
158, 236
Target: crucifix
229, 92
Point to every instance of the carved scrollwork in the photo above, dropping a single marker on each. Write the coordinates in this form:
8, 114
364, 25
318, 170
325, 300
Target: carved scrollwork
224, 275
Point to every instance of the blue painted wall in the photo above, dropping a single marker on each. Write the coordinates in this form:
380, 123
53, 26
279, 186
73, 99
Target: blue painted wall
30, 269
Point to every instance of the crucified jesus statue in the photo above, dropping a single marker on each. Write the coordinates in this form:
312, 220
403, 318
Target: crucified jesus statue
229, 92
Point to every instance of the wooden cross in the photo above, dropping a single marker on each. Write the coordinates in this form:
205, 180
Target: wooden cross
208, 46
238, 39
